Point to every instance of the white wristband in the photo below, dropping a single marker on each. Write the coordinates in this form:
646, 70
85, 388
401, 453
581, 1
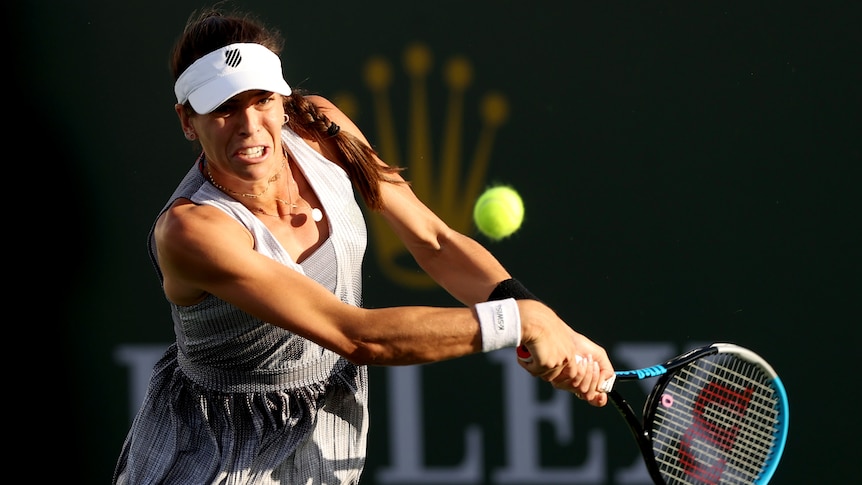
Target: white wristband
500, 324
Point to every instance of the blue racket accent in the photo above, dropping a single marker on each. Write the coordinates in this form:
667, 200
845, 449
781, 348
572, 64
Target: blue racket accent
644, 373
783, 424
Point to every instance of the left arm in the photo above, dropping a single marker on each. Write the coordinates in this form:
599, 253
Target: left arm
458, 263
469, 272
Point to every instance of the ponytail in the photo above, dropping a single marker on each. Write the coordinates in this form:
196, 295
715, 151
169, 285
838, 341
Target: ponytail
357, 158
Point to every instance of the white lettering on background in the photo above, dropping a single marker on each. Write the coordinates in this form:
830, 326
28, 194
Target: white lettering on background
523, 413
406, 434
140, 359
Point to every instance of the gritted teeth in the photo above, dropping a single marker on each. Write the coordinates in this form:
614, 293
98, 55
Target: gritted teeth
252, 152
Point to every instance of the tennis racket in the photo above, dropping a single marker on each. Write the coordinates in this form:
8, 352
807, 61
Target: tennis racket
717, 415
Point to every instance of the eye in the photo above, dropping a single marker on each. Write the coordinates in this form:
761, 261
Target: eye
224, 109
266, 99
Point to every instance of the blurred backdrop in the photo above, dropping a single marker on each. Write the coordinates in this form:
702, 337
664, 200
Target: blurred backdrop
690, 173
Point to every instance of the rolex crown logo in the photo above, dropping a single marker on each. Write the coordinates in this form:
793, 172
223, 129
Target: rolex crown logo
436, 169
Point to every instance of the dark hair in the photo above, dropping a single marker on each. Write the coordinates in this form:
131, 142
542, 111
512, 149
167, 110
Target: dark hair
211, 29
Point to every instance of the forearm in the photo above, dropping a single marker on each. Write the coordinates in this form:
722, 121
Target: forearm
463, 267
412, 335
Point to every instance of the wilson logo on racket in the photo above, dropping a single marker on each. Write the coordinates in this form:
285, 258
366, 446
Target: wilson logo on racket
708, 433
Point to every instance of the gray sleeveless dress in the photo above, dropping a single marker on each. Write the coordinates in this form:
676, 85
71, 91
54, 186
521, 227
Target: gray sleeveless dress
236, 400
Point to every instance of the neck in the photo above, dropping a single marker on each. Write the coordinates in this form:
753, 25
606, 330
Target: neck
224, 189
293, 209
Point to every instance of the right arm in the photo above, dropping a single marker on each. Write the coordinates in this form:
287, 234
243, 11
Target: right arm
202, 251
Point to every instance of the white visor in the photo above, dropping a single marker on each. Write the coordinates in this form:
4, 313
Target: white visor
226, 72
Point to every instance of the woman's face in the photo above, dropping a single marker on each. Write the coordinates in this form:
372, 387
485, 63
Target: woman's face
242, 137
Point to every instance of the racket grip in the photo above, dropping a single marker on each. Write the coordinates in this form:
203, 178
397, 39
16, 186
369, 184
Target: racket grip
525, 356
608, 385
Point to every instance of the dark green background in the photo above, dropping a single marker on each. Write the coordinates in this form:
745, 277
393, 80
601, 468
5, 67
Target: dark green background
691, 172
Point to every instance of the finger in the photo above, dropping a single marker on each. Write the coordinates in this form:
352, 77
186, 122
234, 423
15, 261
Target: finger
551, 375
575, 376
591, 380
585, 374
600, 400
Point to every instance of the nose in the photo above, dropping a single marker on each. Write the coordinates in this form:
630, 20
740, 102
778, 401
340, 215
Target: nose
248, 120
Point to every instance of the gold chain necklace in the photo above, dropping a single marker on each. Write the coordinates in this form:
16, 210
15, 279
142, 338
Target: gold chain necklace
248, 196
316, 214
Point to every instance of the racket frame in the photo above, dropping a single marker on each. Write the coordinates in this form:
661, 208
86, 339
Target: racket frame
640, 427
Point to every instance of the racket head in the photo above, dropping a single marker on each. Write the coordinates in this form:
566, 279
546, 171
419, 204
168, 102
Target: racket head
719, 415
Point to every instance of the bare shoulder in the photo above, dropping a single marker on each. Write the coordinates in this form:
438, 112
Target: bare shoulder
323, 103
335, 115
199, 247
186, 226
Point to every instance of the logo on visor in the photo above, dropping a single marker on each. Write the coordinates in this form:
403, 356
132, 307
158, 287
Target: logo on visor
232, 57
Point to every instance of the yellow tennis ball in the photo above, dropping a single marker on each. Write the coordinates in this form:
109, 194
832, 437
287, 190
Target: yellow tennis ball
498, 212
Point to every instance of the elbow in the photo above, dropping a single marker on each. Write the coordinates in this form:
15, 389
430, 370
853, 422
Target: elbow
433, 250
354, 337
362, 353
387, 352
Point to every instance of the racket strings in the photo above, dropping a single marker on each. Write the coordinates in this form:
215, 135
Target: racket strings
716, 422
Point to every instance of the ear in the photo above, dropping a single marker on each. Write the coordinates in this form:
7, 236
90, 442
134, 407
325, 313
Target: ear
185, 122
183, 116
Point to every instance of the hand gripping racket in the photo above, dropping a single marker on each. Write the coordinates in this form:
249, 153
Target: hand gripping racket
717, 415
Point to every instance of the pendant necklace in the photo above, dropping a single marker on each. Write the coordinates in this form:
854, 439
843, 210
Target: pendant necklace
316, 214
